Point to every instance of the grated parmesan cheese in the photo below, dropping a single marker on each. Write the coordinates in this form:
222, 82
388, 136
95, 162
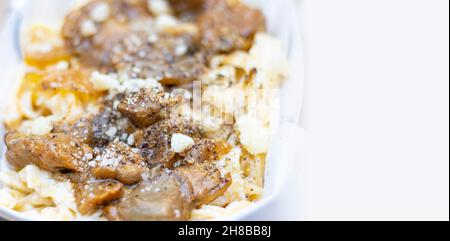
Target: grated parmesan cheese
103, 82
130, 140
100, 12
112, 83
111, 132
41, 126
253, 135
158, 7
88, 28
181, 143
165, 21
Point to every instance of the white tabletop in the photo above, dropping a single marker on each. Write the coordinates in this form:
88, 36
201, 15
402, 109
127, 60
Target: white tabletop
376, 110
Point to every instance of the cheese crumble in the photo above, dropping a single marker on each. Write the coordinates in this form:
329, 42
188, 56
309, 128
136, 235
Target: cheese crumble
181, 143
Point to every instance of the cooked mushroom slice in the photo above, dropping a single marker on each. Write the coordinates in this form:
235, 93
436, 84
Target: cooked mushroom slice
146, 107
183, 71
226, 27
189, 8
52, 152
103, 36
90, 194
158, 152
120, 162
208, 183
155, 141
206, 180
173, 59
163, 198
103, 128
79, 131
107, 125
203, 150
94, 30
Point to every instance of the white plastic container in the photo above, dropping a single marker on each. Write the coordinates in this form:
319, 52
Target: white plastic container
285, 151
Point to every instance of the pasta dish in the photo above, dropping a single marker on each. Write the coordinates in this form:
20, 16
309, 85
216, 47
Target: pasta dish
143, 110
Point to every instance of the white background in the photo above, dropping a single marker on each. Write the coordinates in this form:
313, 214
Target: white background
376, 110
